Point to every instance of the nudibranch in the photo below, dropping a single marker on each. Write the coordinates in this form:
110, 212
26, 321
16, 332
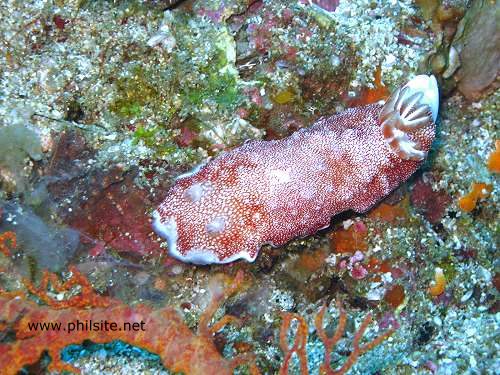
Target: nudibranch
269, 192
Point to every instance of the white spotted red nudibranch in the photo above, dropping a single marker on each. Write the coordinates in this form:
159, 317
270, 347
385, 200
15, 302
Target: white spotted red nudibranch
269, 192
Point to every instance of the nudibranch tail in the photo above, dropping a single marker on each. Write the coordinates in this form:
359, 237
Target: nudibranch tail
411, 107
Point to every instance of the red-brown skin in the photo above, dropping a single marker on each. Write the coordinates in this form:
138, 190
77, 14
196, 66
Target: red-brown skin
273, 191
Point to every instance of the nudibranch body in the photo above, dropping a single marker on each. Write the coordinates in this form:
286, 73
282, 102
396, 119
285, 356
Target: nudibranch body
269, 192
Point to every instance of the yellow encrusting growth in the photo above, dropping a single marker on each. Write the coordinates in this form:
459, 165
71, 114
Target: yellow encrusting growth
284, 97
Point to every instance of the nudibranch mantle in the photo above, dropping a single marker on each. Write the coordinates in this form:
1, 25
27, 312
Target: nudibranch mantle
269, 192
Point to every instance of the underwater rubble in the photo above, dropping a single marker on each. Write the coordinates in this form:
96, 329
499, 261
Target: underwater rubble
104, 103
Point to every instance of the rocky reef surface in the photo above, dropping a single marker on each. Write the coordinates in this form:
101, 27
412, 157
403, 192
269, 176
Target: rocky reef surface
104, 103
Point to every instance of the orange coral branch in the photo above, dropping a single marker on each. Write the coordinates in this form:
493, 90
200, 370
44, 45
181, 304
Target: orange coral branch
330, 342
299, 345
4, 237
206, 317
87, 297
224, 321
165, 333
246, 358
206, 330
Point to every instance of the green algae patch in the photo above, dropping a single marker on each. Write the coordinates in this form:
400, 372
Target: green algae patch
157, 139
221, 90
195, 77
148, 136
133, 93
449, 268
203, 66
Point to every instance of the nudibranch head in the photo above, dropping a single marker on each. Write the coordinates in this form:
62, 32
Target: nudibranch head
408, 117
269, 192
427, 85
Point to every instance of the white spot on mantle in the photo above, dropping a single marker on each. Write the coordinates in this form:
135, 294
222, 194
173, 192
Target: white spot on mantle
194, 192
216, 226
279, 176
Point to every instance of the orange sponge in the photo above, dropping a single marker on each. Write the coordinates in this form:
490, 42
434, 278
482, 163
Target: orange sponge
479, 191
438, 286
494, 159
